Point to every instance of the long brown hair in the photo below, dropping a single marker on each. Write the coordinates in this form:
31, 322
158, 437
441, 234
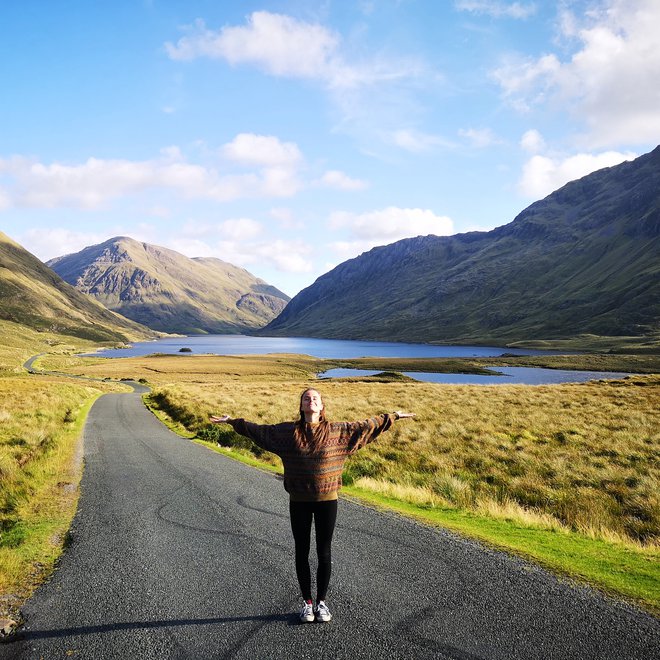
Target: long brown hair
319, 433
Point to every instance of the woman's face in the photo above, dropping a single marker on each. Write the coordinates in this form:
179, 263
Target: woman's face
311, 402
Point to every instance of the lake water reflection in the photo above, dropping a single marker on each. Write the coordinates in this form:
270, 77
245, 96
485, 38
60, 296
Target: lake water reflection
338, 348
510, 376
321, 348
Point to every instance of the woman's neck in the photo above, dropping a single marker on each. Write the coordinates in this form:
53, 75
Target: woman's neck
312, 418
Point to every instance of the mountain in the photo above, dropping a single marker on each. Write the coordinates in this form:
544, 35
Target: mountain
586, 259
168, 291
33, 295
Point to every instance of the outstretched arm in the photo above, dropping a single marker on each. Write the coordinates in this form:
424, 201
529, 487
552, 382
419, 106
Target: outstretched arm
358, 434
402, 415
267, 436
222, 419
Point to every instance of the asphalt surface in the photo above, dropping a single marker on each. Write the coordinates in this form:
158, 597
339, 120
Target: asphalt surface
179, 552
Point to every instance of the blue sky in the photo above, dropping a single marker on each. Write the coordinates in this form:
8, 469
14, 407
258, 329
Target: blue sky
288, 136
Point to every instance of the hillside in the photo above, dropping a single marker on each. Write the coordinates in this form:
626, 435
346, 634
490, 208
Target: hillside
586, 259
168, 291
32, 295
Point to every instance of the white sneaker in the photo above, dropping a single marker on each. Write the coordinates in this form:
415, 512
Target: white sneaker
322, 612
306, 613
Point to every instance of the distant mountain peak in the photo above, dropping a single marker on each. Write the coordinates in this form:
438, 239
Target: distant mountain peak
168, 291
31, 294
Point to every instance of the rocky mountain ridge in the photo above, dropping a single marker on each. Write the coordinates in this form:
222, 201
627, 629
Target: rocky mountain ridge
583, 260
168, 291
31, 294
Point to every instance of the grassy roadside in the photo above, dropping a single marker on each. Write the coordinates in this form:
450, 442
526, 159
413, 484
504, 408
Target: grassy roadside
617, 570
474, 453
41, 421
40, 468
630, 571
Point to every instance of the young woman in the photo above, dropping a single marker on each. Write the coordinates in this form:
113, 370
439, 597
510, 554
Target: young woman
313, 452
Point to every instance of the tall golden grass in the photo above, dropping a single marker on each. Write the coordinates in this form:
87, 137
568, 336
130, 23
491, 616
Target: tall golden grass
40, 428
18, 343
582, 457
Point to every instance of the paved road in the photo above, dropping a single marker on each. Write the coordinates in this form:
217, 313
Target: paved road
178, 552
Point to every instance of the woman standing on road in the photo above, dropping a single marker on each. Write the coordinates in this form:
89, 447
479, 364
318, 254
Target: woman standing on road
313, 452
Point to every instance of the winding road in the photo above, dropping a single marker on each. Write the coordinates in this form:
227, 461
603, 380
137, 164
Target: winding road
179, 552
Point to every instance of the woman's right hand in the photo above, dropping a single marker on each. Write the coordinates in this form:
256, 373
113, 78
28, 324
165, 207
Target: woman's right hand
214, 419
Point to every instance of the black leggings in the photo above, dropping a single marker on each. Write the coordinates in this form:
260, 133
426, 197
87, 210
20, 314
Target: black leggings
325, 515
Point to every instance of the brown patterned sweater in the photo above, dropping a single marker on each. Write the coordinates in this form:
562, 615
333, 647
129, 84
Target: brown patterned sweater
312, 470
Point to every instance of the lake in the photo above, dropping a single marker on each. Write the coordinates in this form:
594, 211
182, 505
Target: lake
337, 348
510, 376
321, 348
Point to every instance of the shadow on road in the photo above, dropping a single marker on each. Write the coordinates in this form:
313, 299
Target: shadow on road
137, 625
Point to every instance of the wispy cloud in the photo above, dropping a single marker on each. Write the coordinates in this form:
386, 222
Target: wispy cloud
543, 175
49, 242
417, 141
263, 150
286, 256
532, 141
370, 92
610, 82
283, 46
383, 226
518, 10
479, 138
96, 182
341, 181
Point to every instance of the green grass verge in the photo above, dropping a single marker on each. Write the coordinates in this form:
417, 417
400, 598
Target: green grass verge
612, 568
30, 548
619, 571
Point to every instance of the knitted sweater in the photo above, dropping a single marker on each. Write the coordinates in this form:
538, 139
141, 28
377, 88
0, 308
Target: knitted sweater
312, 471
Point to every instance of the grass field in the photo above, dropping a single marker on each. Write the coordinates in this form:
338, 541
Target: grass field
41, 421
565, 474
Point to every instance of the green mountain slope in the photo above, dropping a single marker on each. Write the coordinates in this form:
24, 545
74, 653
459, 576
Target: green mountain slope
586, 259
32, 295
168, 291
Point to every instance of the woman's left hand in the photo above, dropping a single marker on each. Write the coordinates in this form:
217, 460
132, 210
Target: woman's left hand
403, 415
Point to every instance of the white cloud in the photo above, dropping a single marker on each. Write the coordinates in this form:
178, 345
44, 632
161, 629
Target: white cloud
519, 10
371, 92
262, 150
341, 181
479, 138
416, 141
46, 243
159, 211
532, 141
279, 44
96, 182
191, 247
543, 175
525, 81
230, 230
240, 229
611, 80
285, 256
367, 230
285, 218
284, 46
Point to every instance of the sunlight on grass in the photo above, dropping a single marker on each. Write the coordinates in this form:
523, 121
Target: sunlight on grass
518, 466
40, 466
583, 457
